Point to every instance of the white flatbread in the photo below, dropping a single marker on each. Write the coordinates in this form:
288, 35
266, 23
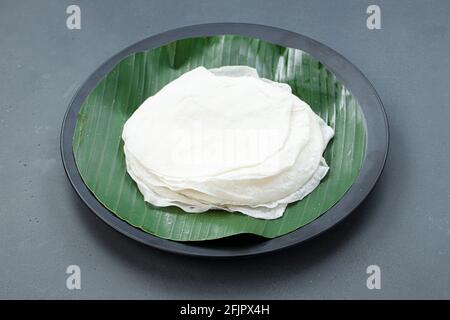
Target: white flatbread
169, 170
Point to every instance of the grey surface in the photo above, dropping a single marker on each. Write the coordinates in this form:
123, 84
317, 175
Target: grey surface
404, 226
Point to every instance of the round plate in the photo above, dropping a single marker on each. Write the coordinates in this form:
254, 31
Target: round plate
245, 245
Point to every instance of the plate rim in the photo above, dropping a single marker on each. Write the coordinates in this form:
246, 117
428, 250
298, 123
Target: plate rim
377, 137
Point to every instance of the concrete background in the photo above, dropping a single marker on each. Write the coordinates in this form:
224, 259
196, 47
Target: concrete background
404, 226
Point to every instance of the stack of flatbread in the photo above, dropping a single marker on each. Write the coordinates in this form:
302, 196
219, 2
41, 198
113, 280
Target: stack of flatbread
226, 139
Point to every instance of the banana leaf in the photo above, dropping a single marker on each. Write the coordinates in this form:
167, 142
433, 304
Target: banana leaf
98, 147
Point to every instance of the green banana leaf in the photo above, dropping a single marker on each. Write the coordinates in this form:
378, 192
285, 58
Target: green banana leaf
97, 143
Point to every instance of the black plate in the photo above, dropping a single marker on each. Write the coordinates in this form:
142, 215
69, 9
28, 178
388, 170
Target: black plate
353, 79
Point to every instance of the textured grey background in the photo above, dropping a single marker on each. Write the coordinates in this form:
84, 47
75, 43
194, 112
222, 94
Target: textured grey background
404, 226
